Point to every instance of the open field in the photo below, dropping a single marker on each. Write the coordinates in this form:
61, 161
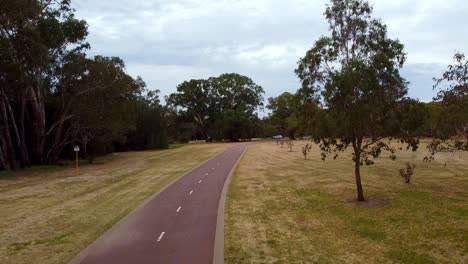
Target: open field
48, 215
284, 209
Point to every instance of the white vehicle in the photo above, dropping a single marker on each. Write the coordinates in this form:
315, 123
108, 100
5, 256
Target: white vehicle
278, 137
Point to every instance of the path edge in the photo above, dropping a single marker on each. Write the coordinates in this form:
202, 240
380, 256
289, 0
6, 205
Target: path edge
77, 259
218, 256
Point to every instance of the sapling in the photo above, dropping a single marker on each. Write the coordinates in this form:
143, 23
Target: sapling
305, 150
290, 145
407, 172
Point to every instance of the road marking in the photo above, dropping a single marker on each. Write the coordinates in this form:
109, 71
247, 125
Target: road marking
212, 168
190, 193
161, 236
199, 181
218, 164
207, 174
178, 209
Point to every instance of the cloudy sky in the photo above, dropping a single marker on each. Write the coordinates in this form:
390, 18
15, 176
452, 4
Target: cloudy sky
169, 41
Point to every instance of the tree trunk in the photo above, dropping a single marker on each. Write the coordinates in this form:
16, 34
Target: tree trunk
23, 147
39, 123
6, 140
24, 159
357, 168
2, 158
54, 152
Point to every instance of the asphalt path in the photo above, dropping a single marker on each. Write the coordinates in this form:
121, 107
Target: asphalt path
177, 225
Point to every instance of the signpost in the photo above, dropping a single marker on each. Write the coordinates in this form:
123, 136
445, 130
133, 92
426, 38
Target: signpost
76, 149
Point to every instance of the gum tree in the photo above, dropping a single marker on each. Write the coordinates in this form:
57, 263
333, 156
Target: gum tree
453, 101
354, 74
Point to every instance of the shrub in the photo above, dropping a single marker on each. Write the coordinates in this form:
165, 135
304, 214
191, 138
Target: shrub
305, 150
407, 172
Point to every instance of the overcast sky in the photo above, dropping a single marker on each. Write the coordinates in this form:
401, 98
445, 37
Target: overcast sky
169, 41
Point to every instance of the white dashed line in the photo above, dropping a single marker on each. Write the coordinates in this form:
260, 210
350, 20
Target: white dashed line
212, 168
218, 164
199, 181
190, 193
207, 174
178, 209
161, 236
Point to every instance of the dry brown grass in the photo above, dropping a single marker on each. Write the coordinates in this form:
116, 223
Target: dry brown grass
49, 217
284, 209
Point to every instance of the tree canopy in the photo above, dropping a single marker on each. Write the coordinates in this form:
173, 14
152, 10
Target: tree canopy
354, 74
52, 95
222, 107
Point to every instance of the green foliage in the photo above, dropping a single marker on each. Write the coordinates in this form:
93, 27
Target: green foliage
354, 73
52, 95
221, 107
451, 115
283, 113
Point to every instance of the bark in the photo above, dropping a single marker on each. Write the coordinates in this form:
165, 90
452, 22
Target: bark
24, 159
54, 152
2, 158
6, 140
39, 123
357, 168
23, 147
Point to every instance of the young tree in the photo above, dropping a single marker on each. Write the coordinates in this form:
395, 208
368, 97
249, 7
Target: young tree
354, 72
290, 144
305, 150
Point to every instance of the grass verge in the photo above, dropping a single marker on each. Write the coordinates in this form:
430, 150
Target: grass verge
49, 215
284, 209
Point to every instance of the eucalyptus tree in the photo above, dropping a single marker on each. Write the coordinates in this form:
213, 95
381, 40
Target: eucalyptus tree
354, 74
284, 113
35, 36
452, 100
221, 107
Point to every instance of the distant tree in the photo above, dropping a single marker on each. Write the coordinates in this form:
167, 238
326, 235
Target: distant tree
151, 128
196, 99
266, 129
410, 117
453, 103
221, 107
354, 72
284, 113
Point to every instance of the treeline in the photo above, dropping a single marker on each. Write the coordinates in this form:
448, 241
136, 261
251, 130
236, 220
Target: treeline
291, 116
218, 108
53, 96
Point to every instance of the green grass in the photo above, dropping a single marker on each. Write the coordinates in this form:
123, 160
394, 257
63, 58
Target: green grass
48, 215
284, 209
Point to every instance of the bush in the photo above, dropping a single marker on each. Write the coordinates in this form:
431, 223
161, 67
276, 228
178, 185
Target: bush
305, 150
407, 172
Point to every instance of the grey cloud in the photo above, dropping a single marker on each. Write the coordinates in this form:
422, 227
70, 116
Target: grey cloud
167, 42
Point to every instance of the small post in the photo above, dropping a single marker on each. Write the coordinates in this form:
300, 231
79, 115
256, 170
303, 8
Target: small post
76, 149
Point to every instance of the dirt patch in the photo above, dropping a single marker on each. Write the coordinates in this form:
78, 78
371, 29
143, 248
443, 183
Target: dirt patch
370, 202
